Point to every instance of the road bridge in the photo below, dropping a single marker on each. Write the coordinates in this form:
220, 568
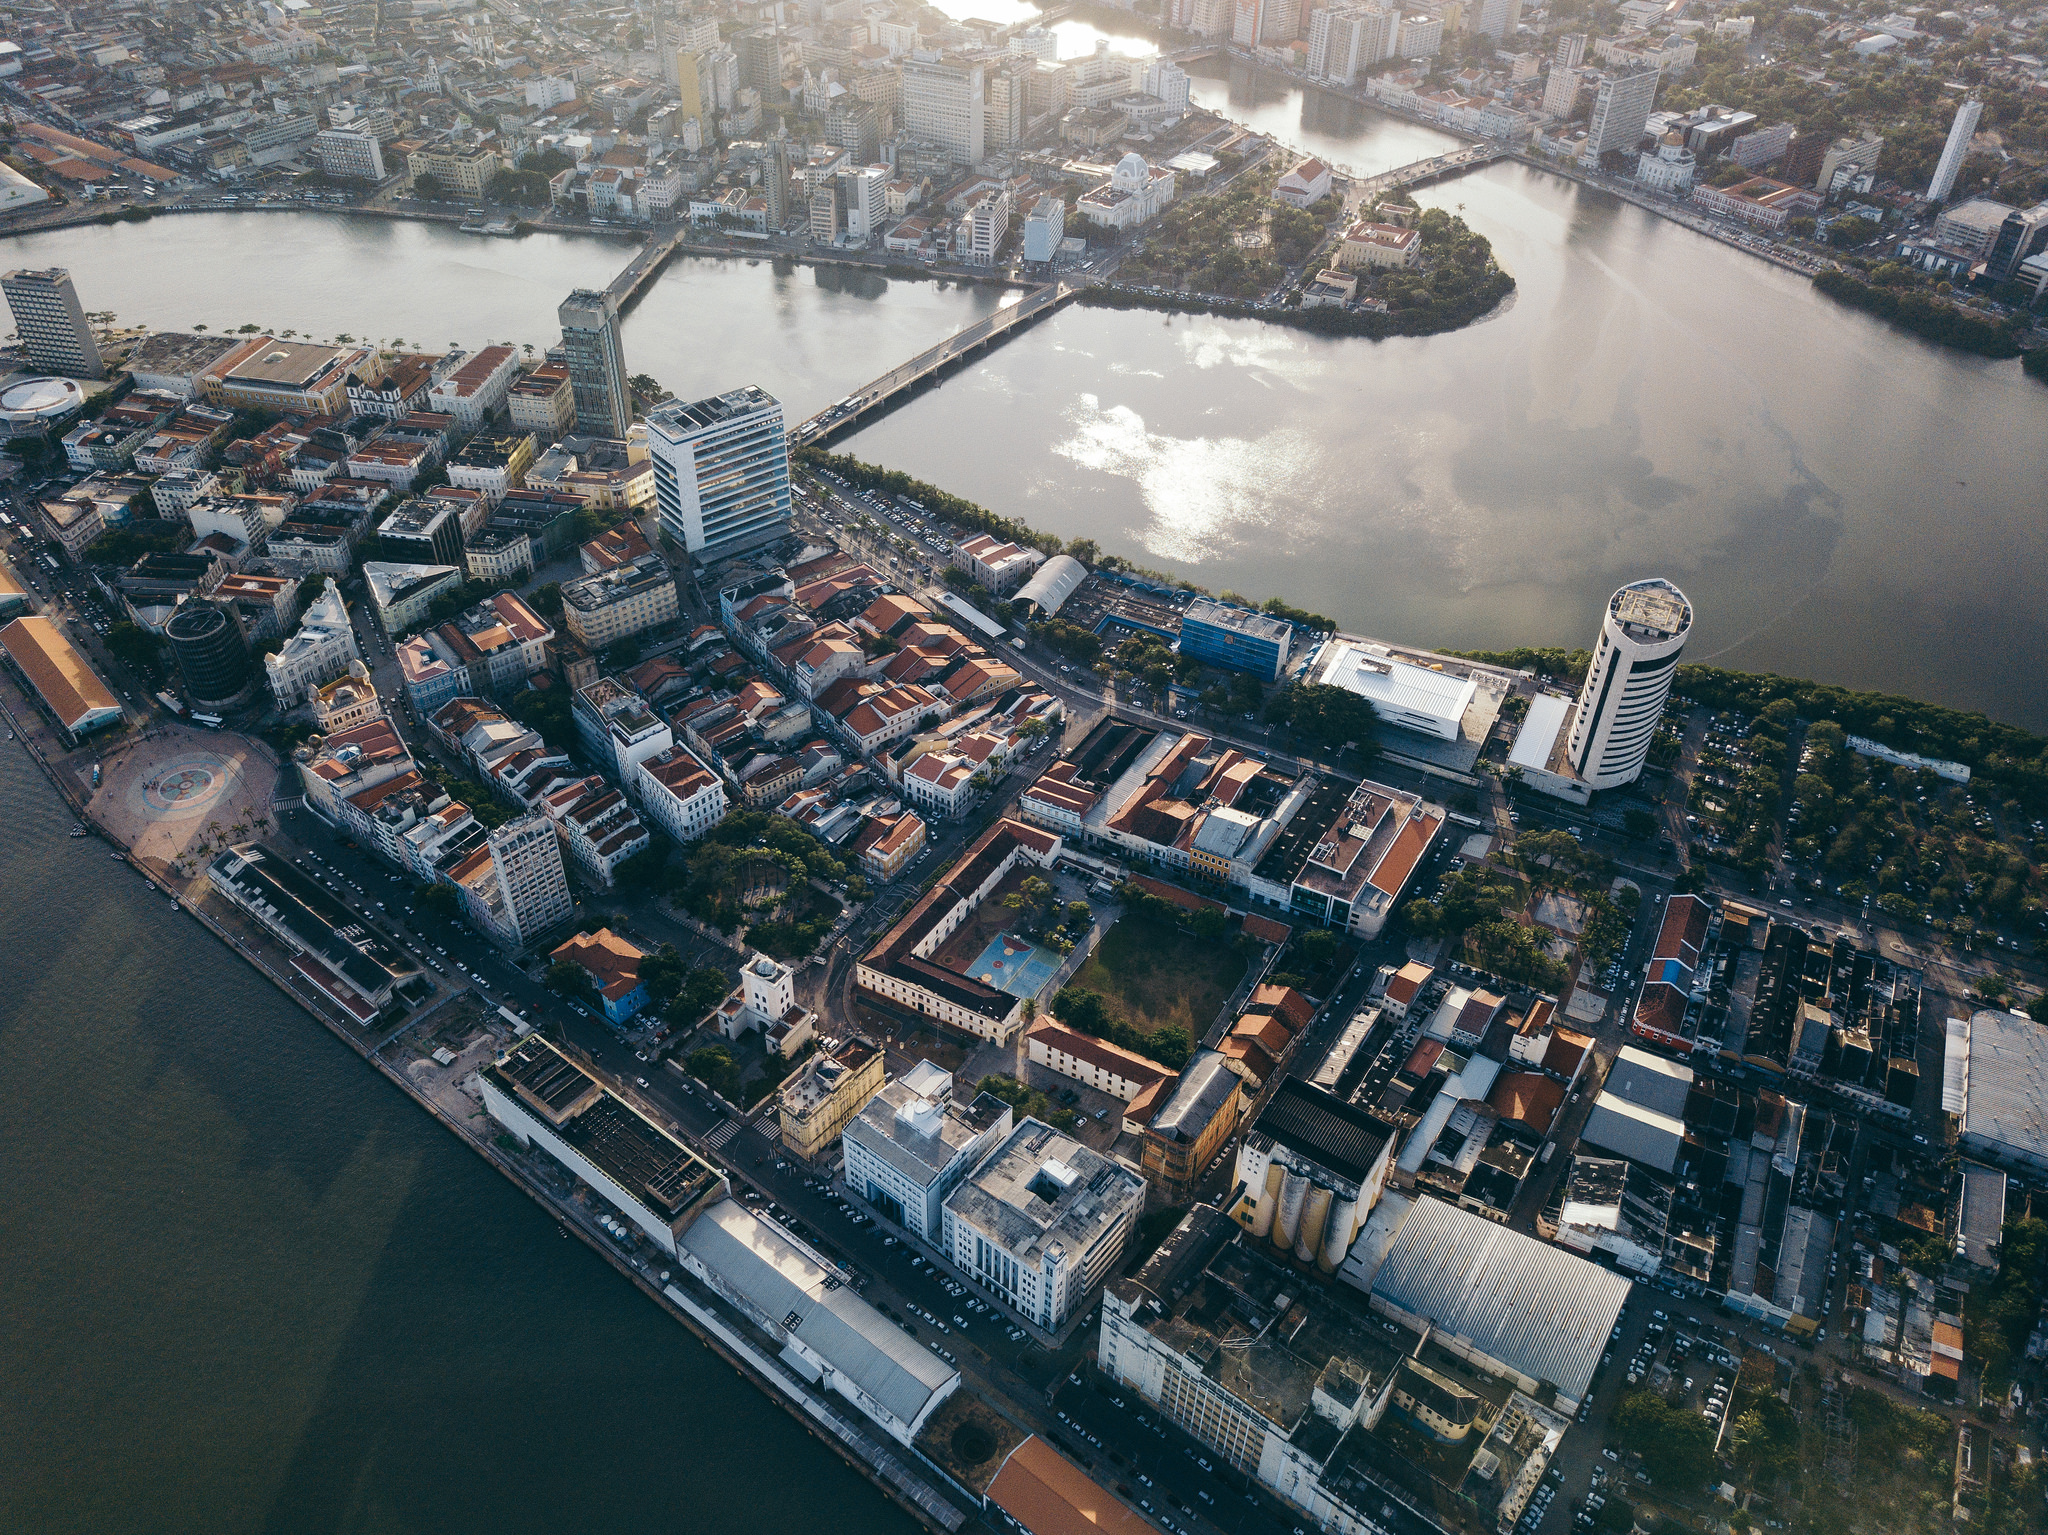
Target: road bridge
1363, 190
984, 332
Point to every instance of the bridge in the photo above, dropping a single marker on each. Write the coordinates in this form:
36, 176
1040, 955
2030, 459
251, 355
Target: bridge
646, 262
1363, 190
987, 331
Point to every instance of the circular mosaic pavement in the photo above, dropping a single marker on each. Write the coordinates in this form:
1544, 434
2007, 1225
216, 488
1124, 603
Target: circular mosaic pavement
188, 785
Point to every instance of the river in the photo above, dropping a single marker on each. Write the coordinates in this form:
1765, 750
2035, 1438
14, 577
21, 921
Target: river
1840, 500
250, 1286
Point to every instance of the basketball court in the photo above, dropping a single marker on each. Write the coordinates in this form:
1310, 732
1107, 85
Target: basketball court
1015, 965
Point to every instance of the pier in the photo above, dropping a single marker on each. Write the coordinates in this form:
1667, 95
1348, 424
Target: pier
986, 331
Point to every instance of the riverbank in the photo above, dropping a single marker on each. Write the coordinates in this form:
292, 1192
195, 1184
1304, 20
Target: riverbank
444, 1096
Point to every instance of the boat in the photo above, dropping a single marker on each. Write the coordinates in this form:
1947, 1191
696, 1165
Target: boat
79, 831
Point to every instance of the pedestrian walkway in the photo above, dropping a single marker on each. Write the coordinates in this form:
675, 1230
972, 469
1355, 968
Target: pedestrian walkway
723, 1132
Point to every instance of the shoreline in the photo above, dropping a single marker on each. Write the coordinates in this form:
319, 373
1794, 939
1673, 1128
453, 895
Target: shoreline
822, 1420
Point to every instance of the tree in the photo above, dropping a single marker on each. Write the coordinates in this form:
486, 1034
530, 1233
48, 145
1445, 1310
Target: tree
2038, 1008
642, 873
133, 644
1677, 1446
1638, 824
714, 1066
438, 900
663, 973
566, 978
427, 187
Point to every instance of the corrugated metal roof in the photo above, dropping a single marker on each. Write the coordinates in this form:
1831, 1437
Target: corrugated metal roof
1650, 1081
782, 1281
2007, 1084
1633, 1131
1536, 1309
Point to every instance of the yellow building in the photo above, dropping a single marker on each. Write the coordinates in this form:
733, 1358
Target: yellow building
830, 1088
463, 170
1369, 246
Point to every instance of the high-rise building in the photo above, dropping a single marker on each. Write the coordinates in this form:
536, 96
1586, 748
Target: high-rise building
1561, 90
664, 55
825, 225
683, 75
945, 102
1005, 114
760, 56
1344, 42
597, 363
775, 184
533, 889
2024, 233
1956, 150
1622, 702
51, 324
721, 471
1499, 18
864, 201
1621, 110
213, 655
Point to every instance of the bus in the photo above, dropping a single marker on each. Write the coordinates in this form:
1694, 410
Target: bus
210, 721
170, 701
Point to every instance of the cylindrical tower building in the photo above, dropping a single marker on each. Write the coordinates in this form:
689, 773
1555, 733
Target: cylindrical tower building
1626, 685
213, 657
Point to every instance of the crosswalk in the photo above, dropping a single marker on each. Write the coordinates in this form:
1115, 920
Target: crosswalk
724, 1131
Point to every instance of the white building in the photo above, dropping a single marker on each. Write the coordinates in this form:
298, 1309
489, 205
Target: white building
721, 471
765, 999
1042, 1222
320, 650
1669, 170
1044, 227
345, 152
1955, 150
982, 230
680, 795
913, 1145
943, 101
1621, 110
1307, 183
1622, 702
1135, 193
473, 390
532, 886
1346, 40
1414, 697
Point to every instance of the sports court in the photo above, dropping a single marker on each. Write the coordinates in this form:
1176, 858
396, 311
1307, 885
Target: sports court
1015, 965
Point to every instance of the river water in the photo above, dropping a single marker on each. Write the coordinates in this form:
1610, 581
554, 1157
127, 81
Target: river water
1840, 500
250, 1286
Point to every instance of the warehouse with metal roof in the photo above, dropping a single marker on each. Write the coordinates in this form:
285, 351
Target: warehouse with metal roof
1997, 1082
1511, 1305
1057, 580
827, 1333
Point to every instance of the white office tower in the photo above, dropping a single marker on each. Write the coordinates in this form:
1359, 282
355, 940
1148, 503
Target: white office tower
1499, 18
1168, 82
1343, 43
944, 102
1561, 90
526, 859
1621, 110
1626, 685
53, 328
864, 199
721, 471
1956, 150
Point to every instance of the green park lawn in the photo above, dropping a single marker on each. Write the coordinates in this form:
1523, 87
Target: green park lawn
1154, 976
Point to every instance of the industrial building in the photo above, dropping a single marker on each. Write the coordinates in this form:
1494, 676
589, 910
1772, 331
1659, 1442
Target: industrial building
826, 1332
1290, 1382
1041, 1222
1503, 1302
330, 945
653, 1180
1309, 1172
1995, 1080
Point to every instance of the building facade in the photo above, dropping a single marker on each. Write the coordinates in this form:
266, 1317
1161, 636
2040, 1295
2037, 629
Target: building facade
721, 471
